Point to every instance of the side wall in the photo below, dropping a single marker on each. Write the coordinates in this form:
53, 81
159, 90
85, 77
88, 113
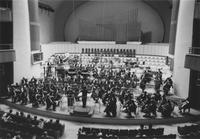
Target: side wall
46, 21
21, 31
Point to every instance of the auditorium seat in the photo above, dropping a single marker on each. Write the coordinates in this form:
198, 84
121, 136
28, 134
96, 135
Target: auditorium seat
123, 134
114, 132
189, 131
95, 133
28, 128
133, 133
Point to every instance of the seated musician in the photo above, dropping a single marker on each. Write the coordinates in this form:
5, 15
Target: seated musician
24, 81
70, 96
35, 102
33, 80
168, 83
48, 102
169, 79
150, 107
143, 84
166, 109
162, 102
158, 83
24, 95
9, 90
122, 95
160, 74
48, 69
185, 105
147, 75
111, 106
95, 94
142, 98
54, 103
130, 105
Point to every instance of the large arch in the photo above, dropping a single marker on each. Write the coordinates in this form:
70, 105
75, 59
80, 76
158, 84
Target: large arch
112, 17
64, 9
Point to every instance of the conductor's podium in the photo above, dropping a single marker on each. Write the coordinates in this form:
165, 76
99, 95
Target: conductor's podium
83, 112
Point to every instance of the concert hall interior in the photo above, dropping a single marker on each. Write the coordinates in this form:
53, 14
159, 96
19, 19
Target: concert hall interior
99, 69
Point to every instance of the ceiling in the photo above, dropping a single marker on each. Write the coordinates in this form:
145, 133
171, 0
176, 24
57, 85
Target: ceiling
57, 3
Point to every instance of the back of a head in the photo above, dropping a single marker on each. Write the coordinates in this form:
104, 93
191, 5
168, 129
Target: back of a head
57, 121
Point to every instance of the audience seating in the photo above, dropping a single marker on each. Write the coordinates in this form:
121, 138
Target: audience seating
29, 127
192, 131
4, 132
98, 133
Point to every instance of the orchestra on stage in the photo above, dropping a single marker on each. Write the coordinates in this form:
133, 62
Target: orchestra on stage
107, 85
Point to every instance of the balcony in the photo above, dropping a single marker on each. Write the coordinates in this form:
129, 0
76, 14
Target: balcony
7, 55
192, 59
194, 50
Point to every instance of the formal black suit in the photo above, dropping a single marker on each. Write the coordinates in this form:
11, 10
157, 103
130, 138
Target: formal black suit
84, 96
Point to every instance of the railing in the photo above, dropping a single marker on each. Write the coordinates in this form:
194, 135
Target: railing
7, 55
194, 50
6, 46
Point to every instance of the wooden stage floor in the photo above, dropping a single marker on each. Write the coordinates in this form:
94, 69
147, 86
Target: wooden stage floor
98, 116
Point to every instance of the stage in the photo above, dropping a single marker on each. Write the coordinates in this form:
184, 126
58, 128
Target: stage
94, 112
98, 117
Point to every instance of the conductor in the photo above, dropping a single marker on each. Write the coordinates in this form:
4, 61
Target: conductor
84, 96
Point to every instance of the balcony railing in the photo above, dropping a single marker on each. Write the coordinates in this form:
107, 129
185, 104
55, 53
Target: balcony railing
194, 50
6, 46
7, 55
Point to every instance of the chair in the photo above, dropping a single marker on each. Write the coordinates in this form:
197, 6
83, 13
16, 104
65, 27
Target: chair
95, 51
170, 136
117, 51
83, 51
132, 133
92, 51
114, 51
123, 134
86, 130
105, 132
114, 132
101, 51
159, 131
98, 51
86, 50
95, 131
